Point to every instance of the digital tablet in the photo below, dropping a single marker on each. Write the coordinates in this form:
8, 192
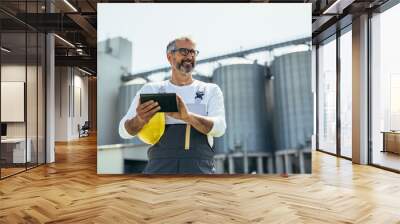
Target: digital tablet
167, 101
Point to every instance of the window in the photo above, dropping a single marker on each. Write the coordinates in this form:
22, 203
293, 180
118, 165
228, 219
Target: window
346, 93
385, 88
327, 96
22, 78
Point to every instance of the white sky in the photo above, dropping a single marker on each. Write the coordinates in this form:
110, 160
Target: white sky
217, 28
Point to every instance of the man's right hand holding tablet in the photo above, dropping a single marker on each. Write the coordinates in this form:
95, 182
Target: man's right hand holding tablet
144, 112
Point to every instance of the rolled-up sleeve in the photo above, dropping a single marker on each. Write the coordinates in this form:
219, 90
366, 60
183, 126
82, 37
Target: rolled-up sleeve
146, 88
216, 112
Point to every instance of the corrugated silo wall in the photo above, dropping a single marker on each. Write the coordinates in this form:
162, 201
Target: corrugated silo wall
245, 107
125, 98
293, 100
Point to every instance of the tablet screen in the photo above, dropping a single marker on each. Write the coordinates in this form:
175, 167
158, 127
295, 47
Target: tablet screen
167, 101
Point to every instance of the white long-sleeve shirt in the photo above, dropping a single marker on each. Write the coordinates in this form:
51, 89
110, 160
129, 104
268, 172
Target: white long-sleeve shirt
211, 105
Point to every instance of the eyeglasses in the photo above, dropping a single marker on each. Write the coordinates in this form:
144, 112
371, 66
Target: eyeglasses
185, 51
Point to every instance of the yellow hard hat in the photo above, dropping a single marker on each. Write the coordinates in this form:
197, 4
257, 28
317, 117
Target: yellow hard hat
153, 130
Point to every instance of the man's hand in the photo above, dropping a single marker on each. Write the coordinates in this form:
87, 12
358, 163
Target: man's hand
144, 112
182, 113
200, 123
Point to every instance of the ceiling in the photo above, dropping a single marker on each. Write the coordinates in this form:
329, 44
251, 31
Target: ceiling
76, 21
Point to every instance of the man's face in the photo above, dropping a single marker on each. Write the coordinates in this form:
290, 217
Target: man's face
182, 60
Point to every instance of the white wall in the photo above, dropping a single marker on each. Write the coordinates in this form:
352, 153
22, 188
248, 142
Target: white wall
70, 83
61, 103
34, 124
13, 73
79, 117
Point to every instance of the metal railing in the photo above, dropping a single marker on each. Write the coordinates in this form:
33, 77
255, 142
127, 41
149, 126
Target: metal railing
290, 161
283, 161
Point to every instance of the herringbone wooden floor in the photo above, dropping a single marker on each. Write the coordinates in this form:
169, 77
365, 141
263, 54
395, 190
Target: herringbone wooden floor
70, 191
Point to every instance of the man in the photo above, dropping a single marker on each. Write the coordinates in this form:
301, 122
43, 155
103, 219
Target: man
187, 143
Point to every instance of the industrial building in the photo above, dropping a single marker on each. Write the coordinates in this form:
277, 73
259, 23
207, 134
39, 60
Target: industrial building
333, 105
274, 136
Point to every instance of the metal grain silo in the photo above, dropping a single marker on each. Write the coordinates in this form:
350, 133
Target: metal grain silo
293, 100
125, 96
245, 107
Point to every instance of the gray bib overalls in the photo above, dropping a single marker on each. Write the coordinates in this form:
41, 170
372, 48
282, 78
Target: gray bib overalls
181, 151
169, 155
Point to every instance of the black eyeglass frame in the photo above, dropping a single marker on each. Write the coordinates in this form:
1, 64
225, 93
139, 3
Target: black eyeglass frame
186, 51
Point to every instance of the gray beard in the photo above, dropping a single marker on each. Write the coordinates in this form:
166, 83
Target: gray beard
184, 69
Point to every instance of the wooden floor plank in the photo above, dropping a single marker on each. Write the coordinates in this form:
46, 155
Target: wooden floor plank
70, 191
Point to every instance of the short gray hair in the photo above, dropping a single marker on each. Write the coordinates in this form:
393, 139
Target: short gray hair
172, 45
